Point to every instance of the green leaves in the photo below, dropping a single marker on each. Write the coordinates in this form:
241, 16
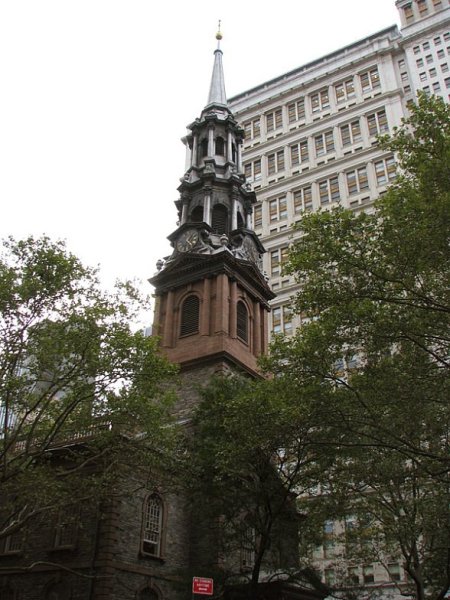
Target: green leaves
72, 368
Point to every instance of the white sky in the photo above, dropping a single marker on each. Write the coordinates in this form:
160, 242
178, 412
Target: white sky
96, 94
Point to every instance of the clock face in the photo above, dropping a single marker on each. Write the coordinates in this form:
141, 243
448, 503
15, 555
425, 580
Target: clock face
187, 240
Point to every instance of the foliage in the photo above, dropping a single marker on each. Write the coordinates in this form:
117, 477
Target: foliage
375, 352
254, 451
73, 377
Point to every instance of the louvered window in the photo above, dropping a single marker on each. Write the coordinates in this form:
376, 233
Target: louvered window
219, 219
190, 316
242, 321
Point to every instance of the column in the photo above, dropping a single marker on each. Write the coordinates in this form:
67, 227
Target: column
211, 141
233, 314
194, 150
168, 320
222, 313
257, 329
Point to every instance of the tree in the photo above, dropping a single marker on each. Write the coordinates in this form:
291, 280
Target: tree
73, 375
375, 354
253, 452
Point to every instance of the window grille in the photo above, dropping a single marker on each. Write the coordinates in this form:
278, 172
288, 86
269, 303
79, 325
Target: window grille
190, 316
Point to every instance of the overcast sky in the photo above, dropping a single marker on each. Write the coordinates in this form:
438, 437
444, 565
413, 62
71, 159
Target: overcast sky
96, 94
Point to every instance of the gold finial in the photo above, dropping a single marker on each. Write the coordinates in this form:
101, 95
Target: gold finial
218, 34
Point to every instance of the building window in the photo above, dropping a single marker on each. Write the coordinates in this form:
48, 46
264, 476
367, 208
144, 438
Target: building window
277, 258
351, 133
429, 58
67, 526
204, 148
370, 80
447, 82
416, 49
252, 128
242, 321
219, 219
257, 216
419, 62
220, 146
303, 199
275, 162
394, 572
432, 72
368, 574
12, 544
377, 122
282, 320
190, 316
422, 6
409, 14
274, 119
299, 153
252, 170
248, 541
437, 40
385, 170
440, 54
329, 190
423, 76
296, 110
152, 524
345, 90
324, 143
437, 4
7, 593
444, 67
278, 209
320, 101
57, 591
357, 181
353, 575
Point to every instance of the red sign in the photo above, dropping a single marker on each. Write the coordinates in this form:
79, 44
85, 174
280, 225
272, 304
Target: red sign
202, 585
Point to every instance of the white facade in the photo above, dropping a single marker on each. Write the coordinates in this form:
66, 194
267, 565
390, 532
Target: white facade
311, 133
311, 144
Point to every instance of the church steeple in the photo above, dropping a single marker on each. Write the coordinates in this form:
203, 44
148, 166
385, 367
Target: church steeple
212, 298
217, 95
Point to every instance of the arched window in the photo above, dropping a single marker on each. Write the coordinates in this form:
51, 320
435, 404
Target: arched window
197, 215
57, 591
220, 146
240, 221
242, 321
190, 316
152, 525
203, 148
148, 594
220, 219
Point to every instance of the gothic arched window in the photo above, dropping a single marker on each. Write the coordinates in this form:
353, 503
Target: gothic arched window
190, 316
220, 146
219, 219
152, 525
242, 321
